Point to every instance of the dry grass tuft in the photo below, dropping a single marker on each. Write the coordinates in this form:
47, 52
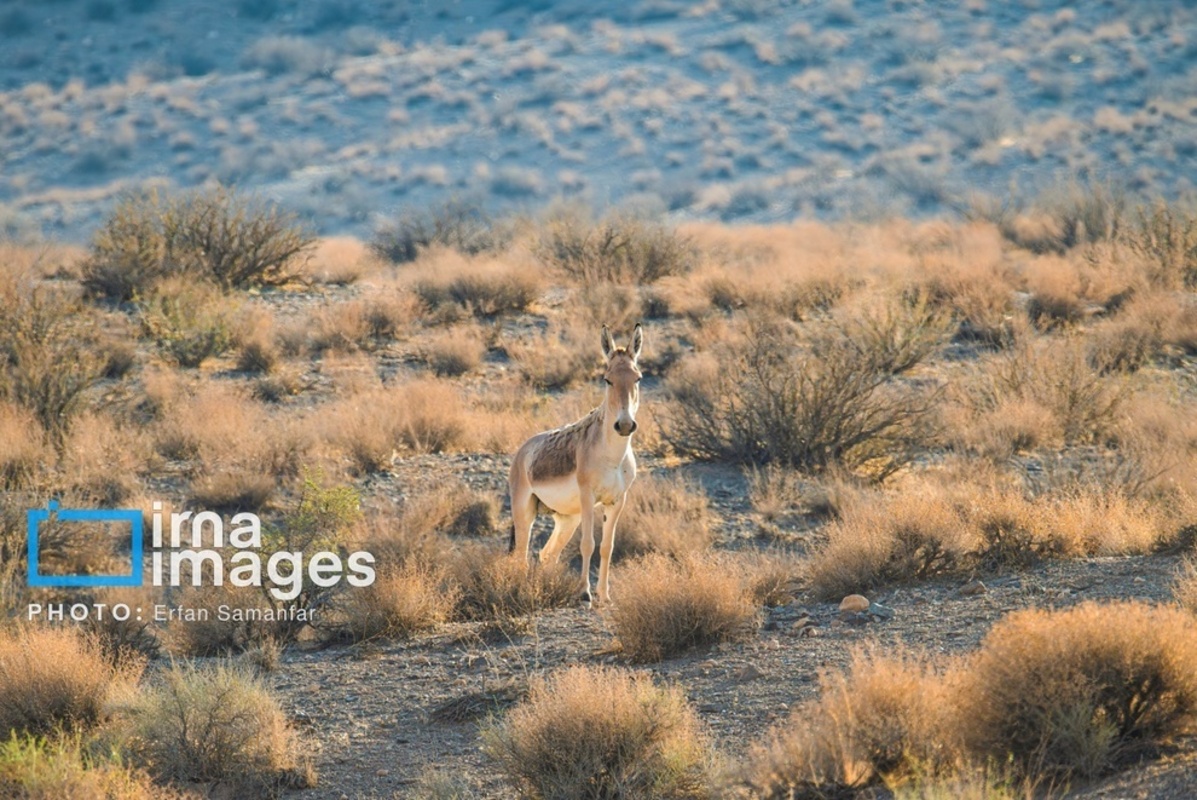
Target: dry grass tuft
664, 515
214, 636
1184, 590
38, 769
499, 586
667, 607
924, 530
25, 452
617, 250
1067, 694
55, 678
454, 351
214, 724
412, 598
449, 285
877, 720
594, 733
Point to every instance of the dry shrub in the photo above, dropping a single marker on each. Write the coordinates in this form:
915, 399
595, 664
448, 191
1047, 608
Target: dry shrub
1184, 590
898, 332
451, 508
1068, 217
1084, 404
214, 724
190, 322
212, 235
447, 283
209, 635
592, 306
47, 350
56, 678
1068, 694
454, 351
232, 442
667, 607
339, 261
25, 452
135, 636
258, 356
664, 515
925, 529
37, 769
1165, 236
457, 225
770, 577
916, 533
421, 416
342, 327
499, 586
400, 602
595, 733
558, 361
102, 460
774, 491
618, 250
767, 397
878, 720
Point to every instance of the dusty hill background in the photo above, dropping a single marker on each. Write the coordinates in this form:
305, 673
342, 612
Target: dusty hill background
742, 110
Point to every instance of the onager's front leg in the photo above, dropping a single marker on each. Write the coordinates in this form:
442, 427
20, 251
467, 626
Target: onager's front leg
587, 498
610, 518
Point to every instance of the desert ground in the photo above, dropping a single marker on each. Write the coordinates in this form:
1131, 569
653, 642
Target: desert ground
916, 508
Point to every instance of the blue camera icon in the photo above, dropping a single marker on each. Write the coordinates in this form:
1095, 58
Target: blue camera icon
36, 516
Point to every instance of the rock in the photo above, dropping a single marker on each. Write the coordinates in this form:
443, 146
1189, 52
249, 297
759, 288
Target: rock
382, 773
854, 603
809, 632
972, 589
799, 625
880, 612
748, 672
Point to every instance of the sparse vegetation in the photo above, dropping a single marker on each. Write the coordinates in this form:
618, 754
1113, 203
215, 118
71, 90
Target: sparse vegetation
667, 607
54, 679
767, 396
215, 724
596, 733
216, 236
618, 250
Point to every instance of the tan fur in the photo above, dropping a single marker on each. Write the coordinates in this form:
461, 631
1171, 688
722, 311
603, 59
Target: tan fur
574, 471
557, 454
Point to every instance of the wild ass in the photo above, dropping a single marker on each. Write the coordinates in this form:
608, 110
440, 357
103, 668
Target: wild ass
573, 470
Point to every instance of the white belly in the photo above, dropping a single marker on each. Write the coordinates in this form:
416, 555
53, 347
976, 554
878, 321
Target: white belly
562, 494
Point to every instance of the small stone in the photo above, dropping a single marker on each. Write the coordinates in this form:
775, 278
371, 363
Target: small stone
805, 622
809, 632
880, 612
382, 773
971, 589
854, 603
748, 672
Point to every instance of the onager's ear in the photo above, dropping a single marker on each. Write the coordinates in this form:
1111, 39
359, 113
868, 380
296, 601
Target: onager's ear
608, 343
637, 341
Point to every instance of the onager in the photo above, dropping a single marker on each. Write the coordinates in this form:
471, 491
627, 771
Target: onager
573, 470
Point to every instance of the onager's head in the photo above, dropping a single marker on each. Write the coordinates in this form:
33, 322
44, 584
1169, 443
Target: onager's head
623, 380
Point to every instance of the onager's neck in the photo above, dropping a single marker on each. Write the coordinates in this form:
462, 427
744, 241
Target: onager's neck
613, 446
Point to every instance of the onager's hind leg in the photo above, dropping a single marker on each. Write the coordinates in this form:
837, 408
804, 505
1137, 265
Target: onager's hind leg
563, 532
611, 517
523, 514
